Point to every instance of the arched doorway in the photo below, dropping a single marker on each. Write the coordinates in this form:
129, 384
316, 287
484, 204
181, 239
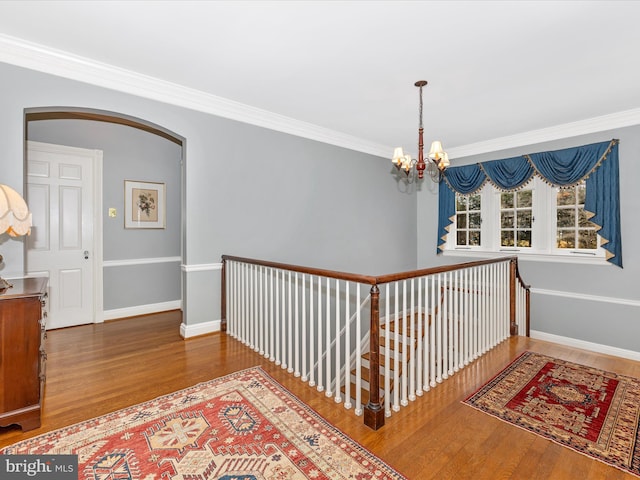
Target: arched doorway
136, 271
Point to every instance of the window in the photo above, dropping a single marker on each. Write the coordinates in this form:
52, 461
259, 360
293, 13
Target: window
468, 220
521, 212
516, 218
538, 220
573, 229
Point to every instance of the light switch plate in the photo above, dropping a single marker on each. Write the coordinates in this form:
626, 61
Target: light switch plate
112, 212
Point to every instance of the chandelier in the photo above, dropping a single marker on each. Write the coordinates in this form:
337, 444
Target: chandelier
439, 158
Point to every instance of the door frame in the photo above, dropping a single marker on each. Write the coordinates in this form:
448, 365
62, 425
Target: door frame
97, 240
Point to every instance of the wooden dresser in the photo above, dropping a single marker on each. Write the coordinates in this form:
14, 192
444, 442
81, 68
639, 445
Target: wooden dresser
22, 357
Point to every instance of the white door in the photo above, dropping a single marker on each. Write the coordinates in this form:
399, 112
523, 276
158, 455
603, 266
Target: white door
60, 194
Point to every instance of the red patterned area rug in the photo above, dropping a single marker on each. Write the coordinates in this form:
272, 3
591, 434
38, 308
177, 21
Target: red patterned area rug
244, 426
589, 410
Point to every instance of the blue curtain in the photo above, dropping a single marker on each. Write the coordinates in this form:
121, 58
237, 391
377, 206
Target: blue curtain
596, 163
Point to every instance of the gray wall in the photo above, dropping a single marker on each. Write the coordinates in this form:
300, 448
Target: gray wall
129, 154
247, 190
612, 321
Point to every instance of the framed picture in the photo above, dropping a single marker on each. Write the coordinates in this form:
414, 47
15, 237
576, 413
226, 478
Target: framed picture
144, 204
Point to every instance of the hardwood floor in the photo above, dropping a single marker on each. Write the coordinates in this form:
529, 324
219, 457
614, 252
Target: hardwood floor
96, 369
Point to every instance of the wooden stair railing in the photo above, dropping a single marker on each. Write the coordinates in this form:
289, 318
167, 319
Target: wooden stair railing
374, 360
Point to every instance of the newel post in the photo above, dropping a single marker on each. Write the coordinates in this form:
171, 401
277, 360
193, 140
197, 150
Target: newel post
373, 411
223, 297
512, 297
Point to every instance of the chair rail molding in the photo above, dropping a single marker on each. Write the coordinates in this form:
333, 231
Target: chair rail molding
139, 261
201, 267
586, 296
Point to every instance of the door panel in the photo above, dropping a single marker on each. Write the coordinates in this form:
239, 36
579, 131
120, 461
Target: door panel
60, 195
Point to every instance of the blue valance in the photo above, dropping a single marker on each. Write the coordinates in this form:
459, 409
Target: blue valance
597, 164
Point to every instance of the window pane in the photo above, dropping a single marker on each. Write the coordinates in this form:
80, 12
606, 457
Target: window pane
474, 220
582, 219
582, 191
587, 239
461, 220
566, 196
524, 198
506, 220
566, 217
524, 218
474, 202
566, 239
462, 238
524, 238
506, 238
506, 200
474, 238
461, 203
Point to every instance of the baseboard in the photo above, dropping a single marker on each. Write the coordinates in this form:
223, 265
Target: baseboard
204, 328
594, 347
141, 310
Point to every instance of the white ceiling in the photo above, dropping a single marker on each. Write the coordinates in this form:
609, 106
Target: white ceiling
495, 68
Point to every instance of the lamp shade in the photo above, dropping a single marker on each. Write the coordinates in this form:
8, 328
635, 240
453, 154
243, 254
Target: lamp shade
436, 150
444, 161
15, 218
398, 155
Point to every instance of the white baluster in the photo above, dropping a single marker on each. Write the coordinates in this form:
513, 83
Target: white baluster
467, 314
419, 347
320, 322
426, 382
312, 330
347, 349
359, 409
327, 353
254, 310
445, 326
290, 326
439, 355
387, 354
272, 300
337, 397
304, 372
296, 373
261, 310
396, 357
411, 348
456, 322
404, 402
283, 323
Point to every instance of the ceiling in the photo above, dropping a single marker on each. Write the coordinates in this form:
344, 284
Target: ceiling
495, 68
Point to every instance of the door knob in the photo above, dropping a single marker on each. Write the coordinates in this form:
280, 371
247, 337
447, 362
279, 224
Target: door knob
86, 254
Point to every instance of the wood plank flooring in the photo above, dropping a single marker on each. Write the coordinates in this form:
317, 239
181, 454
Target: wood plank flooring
96, 369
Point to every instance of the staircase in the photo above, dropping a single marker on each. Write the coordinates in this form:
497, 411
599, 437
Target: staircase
388, 334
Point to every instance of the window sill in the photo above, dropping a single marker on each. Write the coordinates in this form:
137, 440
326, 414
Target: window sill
530, 257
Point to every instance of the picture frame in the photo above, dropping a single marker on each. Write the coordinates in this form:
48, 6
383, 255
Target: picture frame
144, 204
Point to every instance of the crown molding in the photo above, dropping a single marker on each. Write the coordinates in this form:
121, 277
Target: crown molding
622, 119
41, 58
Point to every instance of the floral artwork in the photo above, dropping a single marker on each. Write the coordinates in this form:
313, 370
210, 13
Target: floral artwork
144, 205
